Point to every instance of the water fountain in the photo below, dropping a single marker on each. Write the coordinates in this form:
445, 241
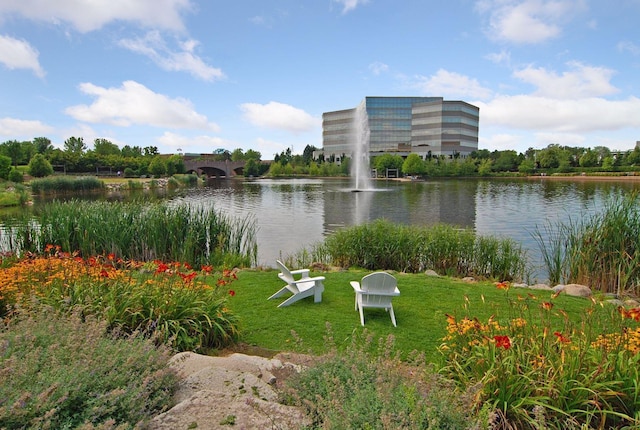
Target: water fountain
360, 169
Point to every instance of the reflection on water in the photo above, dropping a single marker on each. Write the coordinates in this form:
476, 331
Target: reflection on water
292, 214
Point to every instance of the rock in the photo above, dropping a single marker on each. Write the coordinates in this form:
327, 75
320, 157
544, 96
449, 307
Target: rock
236, 391
431, 273
540, 287
576, 290
469, 279
519, 285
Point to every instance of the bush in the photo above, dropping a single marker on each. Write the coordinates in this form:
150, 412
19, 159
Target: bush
16, 176
39, 166
368, 387
67, 371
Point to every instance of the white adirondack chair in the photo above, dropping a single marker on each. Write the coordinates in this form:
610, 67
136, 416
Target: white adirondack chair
376, 290
302, 287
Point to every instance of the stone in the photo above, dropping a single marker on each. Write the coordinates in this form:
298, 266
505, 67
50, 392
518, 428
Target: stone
576, 290
431, 273
540, 287
235, 391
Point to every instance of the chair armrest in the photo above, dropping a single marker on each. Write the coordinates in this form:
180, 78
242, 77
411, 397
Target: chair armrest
303, 280
356, 286
303, 272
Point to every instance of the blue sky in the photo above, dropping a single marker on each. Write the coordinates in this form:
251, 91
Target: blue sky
197, 75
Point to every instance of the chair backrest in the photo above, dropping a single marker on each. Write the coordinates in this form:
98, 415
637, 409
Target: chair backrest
379, 282
285, 273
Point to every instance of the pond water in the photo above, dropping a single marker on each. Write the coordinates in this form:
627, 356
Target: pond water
292, 214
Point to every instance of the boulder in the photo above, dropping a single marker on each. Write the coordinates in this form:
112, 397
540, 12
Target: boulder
576, 290
236, 391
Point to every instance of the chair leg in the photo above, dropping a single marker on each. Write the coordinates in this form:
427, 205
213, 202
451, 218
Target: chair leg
393, 316
317, 294
361, 316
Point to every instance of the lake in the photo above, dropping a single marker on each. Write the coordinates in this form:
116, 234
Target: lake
292, 214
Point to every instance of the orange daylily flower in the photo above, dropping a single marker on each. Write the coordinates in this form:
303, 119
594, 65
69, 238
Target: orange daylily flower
562, 338
547, 306
502, 341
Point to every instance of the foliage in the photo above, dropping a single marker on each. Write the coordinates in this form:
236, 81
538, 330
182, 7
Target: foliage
16, 176
158, 166
171, 302
548, 371
369, 387
40, 167
602, 250
65, 371
443, 248
5, 166
413, 165
139, 231
66, 183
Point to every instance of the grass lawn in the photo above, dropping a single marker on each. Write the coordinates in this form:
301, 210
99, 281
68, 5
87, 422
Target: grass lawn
420, 310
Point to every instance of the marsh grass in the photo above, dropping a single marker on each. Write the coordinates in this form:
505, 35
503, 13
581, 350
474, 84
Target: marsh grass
67, 371
139, 231
65, 183
601, 251
448, 250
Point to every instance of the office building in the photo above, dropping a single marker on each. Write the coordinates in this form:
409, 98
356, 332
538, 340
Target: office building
428, 126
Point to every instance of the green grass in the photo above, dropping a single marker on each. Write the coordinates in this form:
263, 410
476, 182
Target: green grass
420, 311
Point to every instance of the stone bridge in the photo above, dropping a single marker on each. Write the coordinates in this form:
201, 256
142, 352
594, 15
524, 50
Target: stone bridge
214, 168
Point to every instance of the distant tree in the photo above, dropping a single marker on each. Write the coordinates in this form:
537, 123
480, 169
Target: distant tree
480, 154
105, 147
39, 166
150, 151
175, 164
75, 145
589, 159
5, 166
608, 163
42, 144
485, 167
237, 154
387, 161
307, 154
413, 165
157, 166
13, 150
507, 161
133, 152
16, 176
251, 168
527, 167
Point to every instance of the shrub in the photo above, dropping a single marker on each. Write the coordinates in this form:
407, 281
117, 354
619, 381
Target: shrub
39, 166
16, 176
368, 387
66, 371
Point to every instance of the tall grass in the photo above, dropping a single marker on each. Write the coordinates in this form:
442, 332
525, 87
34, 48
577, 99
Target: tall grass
66, 183
601, 251
67, 371
140, 231
446, 249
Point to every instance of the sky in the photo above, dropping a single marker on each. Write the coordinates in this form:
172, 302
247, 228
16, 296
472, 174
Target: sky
193, 76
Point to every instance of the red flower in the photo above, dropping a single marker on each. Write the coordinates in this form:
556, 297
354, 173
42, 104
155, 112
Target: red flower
162, 268
104, 273
562, 338
207, 269
188, 277
221, 282
502, 341
232, 293
546, 306
187, 266
111, 256
502, 285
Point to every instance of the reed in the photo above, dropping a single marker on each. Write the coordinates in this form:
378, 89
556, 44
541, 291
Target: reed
382, 245
140, 231
66, 183
601, 251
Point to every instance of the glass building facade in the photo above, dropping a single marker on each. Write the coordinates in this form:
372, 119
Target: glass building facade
428, 126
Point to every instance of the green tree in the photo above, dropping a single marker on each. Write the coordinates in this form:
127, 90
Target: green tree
589, 159
75, 145
608, 164
133, 152
485, 167
150, 151
105, 147
13, 150
413, 165
42, 144
387, 161
507, 161
39, 166
307, 154
157, 166
175, 164
527, 167
5, 166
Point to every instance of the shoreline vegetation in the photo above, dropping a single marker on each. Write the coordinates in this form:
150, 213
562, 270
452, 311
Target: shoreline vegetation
481, 354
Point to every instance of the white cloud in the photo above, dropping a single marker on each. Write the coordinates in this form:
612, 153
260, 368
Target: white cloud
580, 82
133, 103
19, 54
197, 144
184, 58
87, 16
502, 57
451, 84
527, 21
349, 5
13, 128
546, 114
279, 116
378, 68
628, 46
